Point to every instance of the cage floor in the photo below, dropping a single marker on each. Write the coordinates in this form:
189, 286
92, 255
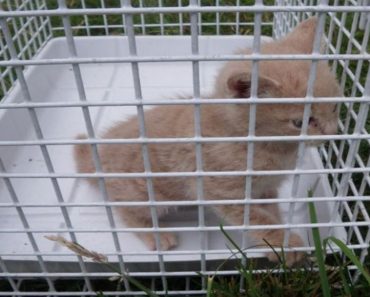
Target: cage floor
54, 83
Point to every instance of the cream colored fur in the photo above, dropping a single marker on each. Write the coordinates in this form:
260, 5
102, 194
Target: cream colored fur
276, 79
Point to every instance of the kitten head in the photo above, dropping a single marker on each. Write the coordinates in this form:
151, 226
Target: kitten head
284, 79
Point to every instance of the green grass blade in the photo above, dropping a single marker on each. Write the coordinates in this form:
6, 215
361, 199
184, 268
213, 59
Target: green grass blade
350, 255
251, 283
209, 286
252, 290
131, 280
325, 287
233, 243
342, 270
280, 257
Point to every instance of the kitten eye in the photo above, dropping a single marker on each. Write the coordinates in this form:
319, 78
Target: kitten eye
297, 123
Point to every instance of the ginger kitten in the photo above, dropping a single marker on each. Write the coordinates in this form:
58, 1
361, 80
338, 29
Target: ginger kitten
276, 79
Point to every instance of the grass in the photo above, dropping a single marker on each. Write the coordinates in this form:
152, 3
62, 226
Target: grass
333, 277
319, 252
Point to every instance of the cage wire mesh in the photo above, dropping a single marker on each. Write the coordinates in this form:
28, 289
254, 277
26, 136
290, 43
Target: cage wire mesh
77, 66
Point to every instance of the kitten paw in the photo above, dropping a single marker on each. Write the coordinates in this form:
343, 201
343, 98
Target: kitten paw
167, 240
293, 257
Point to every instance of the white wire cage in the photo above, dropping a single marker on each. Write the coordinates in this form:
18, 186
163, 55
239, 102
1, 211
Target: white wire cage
77, 66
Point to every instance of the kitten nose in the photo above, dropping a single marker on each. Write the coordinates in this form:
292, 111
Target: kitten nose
313, 122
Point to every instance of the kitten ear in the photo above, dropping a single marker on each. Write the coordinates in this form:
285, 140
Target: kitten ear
239, 85
302, 37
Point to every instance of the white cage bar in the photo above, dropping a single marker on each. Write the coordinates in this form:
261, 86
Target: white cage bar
68, 67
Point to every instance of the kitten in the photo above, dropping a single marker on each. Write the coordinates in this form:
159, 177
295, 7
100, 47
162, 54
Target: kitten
276, 79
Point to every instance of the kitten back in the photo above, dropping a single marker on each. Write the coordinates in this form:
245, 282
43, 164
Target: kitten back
83, 156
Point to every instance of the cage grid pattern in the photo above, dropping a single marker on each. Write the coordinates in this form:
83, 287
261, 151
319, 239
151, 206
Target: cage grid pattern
27, 26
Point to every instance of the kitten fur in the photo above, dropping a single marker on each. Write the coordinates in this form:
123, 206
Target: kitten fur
276, 79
